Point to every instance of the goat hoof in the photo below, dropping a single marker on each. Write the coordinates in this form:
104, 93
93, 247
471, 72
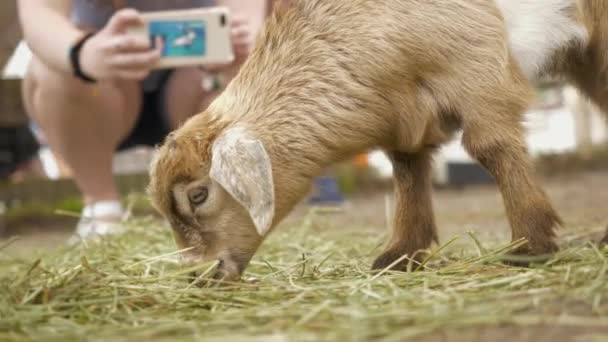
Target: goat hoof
525, 256
386, 259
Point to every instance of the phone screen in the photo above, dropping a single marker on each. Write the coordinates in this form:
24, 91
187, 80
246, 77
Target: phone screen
187, 38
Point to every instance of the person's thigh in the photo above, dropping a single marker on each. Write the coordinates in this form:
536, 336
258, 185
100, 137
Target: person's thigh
56, 101
83, 124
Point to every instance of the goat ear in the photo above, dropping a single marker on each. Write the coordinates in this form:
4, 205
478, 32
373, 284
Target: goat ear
240, 164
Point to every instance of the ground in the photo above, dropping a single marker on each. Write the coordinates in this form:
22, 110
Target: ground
310, 281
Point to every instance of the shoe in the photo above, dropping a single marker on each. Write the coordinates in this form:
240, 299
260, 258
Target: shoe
98, 219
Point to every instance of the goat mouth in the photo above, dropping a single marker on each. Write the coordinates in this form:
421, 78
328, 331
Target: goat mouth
206, 272
225, 269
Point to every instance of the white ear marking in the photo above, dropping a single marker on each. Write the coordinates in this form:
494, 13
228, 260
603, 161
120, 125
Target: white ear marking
242, 167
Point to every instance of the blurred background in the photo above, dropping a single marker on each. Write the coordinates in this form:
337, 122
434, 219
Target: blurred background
567, 136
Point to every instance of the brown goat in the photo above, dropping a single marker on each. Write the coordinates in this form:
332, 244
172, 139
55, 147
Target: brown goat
331, 78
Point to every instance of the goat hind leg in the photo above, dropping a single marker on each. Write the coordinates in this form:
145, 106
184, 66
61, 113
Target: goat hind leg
500, 148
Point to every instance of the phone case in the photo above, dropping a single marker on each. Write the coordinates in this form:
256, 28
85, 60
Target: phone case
190, 37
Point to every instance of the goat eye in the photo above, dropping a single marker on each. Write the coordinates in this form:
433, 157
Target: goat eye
198, 195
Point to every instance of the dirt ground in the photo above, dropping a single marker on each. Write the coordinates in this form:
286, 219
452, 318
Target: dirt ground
581, 199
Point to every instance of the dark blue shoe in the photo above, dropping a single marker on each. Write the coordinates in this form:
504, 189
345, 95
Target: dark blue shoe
326, 192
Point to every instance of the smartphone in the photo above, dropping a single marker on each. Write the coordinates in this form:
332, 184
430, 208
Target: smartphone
189, 37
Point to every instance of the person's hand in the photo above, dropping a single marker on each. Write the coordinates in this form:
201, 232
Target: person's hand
113, 54
241, 36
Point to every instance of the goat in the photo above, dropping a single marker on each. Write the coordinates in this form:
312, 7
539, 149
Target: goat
328, 79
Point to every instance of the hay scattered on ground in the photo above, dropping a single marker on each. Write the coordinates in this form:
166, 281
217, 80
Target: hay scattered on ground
303, 284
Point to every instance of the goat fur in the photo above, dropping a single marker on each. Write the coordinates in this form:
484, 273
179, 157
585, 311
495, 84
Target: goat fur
329, 79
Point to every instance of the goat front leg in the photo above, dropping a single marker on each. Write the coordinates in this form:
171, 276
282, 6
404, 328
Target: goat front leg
413, 223
500, 148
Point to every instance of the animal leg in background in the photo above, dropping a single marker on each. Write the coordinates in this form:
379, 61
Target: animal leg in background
591, 78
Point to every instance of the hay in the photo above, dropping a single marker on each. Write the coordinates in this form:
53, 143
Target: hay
302, 285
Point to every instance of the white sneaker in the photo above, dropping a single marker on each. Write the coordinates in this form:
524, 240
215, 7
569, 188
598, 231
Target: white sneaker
98, 219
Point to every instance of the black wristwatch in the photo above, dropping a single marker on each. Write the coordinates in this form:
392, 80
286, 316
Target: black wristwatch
74, 54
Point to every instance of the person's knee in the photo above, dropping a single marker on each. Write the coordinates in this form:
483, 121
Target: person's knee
45, 88
50, 82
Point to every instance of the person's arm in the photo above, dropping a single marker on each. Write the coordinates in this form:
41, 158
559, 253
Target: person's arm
38, 19
111, 53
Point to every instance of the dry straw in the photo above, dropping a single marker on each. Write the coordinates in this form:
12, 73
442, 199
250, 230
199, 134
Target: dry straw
304, 284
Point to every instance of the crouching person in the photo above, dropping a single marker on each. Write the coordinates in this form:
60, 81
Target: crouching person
109, 98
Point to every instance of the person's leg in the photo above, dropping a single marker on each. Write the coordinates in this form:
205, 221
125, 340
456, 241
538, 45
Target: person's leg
184, 95
82, 123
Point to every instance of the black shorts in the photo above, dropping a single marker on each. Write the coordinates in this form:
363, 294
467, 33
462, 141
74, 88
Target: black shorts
152, 125
18, 145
